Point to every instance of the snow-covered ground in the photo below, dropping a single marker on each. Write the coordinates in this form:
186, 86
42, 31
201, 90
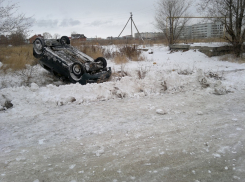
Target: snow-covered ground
175, 117
208, 44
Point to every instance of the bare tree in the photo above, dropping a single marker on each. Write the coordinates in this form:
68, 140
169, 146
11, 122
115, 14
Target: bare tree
233, 11
56, 36
166, 11
47, 35
17, 38
10, 21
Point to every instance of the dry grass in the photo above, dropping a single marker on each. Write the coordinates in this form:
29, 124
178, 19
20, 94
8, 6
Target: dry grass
91, 50
233, 59
146, 42
123, 53
120, 59
127, 52
130, 51
16, 58
101, 42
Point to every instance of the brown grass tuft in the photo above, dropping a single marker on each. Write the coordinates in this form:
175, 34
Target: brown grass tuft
130, 51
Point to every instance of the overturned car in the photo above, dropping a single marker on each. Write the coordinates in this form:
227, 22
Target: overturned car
68, 63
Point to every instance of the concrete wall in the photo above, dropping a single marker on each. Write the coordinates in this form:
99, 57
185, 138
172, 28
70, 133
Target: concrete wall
209, 51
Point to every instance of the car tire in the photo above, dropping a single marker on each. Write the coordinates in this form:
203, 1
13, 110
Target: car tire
36, 55
102, 60
38, 47
64, 40
76, 72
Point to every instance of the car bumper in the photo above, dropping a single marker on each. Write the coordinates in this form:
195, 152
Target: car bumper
96, 78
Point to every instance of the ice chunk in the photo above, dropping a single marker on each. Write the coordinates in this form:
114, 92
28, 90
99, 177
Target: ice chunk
20, 158
217, 155
161, 111
41, 141
199, 112
72, 166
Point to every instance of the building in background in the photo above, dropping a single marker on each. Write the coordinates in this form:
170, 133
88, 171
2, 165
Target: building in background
186, 32
31, 40
149, 35
206, 30
78, 37
217, 29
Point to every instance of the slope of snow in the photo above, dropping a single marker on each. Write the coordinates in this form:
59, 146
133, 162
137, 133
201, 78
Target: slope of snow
182, 119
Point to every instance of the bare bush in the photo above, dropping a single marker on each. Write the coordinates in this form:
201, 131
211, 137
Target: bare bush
26, 75
117, 75
117, 92
130, 52
164, 86
142, 71
215, 76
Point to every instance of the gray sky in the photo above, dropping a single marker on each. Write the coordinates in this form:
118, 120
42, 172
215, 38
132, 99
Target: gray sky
101, 18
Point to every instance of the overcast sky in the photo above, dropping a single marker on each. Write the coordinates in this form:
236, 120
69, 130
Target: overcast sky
93, 18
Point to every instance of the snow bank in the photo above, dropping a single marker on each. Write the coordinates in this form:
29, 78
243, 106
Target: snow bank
162, 72
26, 76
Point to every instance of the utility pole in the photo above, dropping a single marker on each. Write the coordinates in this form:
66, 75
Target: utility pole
131, 17
132, 22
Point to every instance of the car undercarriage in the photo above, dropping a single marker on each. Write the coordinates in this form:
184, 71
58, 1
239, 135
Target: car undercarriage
68, 63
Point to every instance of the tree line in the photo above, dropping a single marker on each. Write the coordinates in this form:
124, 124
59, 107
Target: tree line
168, 19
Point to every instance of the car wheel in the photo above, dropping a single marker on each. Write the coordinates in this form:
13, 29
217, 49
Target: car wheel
76, 71
64, 40
102, 61
36, 55
38, 46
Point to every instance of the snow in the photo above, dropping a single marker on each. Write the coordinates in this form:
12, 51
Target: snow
184, 116
210, 44
161, 111
207, 44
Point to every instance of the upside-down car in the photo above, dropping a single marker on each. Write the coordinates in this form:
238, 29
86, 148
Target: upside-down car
68, 63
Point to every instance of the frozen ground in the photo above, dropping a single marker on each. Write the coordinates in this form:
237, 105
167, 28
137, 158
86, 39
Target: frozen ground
175, 117
209, 44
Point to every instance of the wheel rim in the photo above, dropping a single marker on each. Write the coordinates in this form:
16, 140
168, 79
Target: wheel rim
38, 46
77, 69
63, 41
100, 62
